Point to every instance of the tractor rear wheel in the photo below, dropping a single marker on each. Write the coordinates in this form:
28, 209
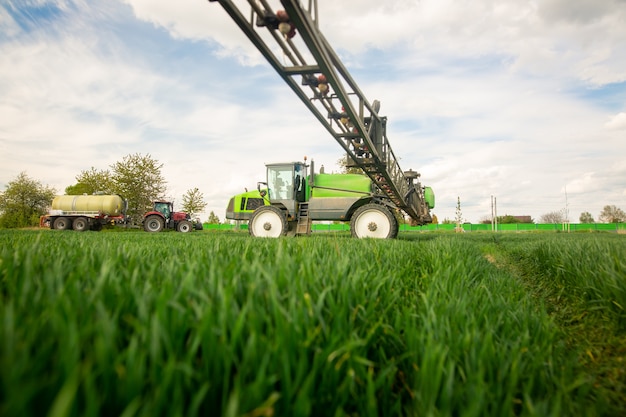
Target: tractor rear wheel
184, 226
153, 223
267, 221
375, 221
62, 223
80, 224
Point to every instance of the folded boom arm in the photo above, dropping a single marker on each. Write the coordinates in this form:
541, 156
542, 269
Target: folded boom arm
290, 40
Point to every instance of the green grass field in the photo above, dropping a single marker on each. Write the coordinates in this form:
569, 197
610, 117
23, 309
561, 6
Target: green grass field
218, 323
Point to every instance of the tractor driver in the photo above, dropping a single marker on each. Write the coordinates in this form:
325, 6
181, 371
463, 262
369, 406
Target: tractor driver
280, 188
164, 210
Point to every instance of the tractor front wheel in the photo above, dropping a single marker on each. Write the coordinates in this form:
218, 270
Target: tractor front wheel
184, 226
267, 221
375, 221
153, 223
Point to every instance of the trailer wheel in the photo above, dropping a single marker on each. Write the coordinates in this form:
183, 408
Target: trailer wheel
267, 221
61, 223
153, 223
184, 226
375, 221
80, 224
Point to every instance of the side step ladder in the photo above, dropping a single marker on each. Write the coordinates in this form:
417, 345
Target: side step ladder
304, 221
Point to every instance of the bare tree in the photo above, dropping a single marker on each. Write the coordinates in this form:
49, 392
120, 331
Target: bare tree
459, 215
552, 217
486, 219
612, 214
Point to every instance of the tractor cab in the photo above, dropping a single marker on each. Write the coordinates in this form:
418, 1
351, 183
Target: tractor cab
286, 182
286, 186
172, 218
164, 207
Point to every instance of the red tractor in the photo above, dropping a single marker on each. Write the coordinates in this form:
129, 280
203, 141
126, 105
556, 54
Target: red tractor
163, 216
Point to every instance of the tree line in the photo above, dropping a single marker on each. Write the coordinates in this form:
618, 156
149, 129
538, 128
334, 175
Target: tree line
137, 178
609, 214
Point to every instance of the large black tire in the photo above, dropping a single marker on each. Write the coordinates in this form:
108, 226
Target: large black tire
184, 226
80, 224
374, 221
62, 223
267, 221
153, 223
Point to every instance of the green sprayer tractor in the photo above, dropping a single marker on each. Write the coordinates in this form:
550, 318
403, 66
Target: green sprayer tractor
291, 199
288, 35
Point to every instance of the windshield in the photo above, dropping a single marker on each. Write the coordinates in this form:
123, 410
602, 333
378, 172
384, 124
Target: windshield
280, 182
163, 208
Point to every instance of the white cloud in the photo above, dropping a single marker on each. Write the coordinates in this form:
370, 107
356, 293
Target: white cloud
617, 122
546, 39
580, 12
8, 26
198, 21
585, 183
483, 99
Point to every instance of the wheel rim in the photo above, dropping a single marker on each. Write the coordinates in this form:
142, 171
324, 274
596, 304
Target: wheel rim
184, 228
267, 224
153, 225
61, 223
372, 223
80, 225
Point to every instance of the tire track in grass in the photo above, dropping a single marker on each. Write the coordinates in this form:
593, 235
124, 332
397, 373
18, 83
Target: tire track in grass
598, 342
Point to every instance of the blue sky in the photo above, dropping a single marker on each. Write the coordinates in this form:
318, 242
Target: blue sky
522, 100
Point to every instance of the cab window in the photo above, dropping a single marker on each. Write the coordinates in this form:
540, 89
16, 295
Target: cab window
280, 182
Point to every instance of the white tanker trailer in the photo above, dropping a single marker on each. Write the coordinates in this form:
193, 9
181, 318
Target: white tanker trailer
85, 212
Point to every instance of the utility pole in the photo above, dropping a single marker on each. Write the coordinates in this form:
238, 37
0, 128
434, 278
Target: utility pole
495, 206
492, 224
566, 212
494, 215
459, 216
